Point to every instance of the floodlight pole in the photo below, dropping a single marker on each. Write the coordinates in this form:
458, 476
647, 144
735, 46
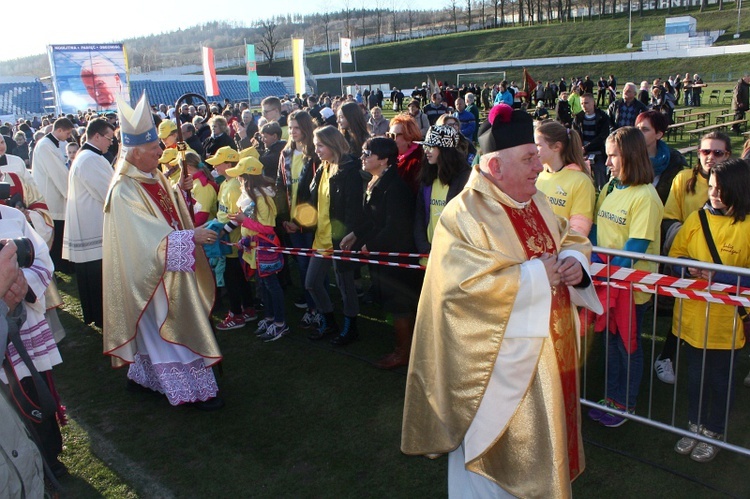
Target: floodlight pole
739, 9
630, 25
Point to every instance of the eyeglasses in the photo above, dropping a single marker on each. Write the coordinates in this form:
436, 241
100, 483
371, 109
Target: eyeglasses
427, 148
111, 138
366, 153
392, 135
718, 153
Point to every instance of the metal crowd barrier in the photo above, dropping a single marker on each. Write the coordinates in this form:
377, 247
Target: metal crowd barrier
608, 275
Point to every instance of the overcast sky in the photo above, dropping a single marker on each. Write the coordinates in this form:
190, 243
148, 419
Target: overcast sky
55, 23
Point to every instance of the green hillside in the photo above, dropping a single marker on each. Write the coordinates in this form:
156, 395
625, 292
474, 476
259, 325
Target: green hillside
582, 37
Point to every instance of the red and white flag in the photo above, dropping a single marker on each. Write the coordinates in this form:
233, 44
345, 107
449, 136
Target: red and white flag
346, 50
209, 73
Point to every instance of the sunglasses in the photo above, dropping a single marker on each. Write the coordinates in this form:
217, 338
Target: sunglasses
427, 148
366, 153
392, 135
718, 153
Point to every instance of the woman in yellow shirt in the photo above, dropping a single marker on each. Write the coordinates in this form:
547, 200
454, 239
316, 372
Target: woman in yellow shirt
688, 194
566, 179
628, 214
713, 334
443, 175
337, 193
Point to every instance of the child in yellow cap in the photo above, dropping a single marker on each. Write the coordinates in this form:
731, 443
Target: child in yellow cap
258, 217
238, 288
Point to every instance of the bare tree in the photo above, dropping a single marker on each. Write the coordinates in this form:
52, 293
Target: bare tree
704, 5
468, 14
394, 18
363, 15
453, 11
411, 19
484, 13
348, 18
269, 41
379, 19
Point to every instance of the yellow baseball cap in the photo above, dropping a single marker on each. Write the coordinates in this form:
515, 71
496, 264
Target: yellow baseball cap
170, 156
248, 152
246, 166
166, 128
223, 155
167, 156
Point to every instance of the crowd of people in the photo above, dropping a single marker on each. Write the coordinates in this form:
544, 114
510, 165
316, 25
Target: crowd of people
154, 203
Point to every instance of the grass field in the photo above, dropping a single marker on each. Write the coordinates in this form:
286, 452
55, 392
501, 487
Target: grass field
305, 419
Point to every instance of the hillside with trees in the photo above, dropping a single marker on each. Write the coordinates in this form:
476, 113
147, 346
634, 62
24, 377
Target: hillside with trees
533, 28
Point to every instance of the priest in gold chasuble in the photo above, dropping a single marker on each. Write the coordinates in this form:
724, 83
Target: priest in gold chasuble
493, 375
158, 286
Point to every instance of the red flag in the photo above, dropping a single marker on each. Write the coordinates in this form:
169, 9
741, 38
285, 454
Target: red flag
209, 73
529, 84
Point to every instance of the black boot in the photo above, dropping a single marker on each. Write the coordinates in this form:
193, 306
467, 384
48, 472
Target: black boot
347, 334
327, 327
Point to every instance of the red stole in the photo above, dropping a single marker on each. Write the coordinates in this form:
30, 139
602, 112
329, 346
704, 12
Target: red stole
536, 240
164, 202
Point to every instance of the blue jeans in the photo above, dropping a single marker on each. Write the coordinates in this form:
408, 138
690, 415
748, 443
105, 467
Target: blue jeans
624, 371
273, 297
303, 240
717, 383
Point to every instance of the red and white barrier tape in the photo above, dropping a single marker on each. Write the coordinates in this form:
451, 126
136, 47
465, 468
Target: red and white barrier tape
687, 294
653, 278
648, 282
327, 254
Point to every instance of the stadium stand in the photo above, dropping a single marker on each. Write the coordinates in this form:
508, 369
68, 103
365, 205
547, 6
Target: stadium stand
21, 98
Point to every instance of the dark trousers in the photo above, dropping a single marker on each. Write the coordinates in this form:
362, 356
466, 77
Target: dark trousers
273, 298
89, 278
55, 251
239, 291
717, 385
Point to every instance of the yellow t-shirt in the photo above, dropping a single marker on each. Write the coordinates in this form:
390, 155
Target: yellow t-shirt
680, 202
229, 192
205, 199
323, 239
634, 212
569, 192
733, 244
298, 161
265, 213
437, 204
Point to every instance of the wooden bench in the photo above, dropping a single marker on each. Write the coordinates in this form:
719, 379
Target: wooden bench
698, 115
684, 110
688, 151
723, 117
719, 126
681, 127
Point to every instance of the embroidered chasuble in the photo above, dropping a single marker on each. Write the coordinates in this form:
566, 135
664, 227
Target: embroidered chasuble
494, 355
537, 240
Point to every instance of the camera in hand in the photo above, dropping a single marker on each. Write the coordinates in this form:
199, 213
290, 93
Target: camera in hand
24, 251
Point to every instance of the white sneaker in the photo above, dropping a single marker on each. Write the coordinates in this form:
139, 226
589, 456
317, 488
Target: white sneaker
275, 332
664, 370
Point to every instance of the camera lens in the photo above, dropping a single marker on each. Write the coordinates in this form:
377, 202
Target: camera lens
24, 252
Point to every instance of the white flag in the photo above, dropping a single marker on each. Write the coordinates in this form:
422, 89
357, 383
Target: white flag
346, 50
